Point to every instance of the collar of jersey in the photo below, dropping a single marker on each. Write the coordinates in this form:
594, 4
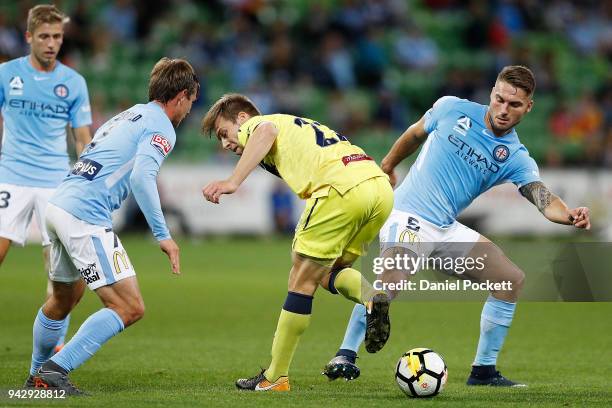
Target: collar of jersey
30, 68
511, 136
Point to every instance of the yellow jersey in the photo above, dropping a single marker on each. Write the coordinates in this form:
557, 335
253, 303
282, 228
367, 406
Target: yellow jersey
311, 157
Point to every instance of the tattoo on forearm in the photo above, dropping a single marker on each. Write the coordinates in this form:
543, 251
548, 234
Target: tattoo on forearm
538, 194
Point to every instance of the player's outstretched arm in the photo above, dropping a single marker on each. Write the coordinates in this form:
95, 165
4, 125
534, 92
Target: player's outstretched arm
144, 187
403, 147
82, 137
257, 147
553, 208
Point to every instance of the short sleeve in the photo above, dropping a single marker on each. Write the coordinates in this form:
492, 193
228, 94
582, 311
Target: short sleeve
523, 170
440, 108
248, 127
80, 111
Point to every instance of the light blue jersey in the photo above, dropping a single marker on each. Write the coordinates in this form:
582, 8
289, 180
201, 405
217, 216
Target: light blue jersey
460, 160
125, 154
36, 107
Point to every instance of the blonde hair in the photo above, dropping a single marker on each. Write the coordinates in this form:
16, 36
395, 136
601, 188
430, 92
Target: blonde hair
228, 107
45, 14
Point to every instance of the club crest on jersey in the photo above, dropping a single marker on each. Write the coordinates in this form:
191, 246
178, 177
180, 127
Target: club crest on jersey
501, 153
16, 84
86, 168
463, 125
161, 144
61, 91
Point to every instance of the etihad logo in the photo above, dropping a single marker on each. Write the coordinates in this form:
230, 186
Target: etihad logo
38, 106
473, 157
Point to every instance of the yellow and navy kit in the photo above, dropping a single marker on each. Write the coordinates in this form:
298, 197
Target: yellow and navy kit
311, 157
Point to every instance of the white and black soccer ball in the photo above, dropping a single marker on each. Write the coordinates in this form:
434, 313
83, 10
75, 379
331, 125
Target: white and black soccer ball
421, 372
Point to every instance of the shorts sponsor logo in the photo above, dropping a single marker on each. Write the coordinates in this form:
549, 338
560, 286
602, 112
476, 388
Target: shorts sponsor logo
86, 168
120, 260
161, 144
501, 153
61, 91
409, 237
355, 157
90, 273
16, 85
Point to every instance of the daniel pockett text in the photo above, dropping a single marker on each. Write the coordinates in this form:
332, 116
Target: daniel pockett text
410, 265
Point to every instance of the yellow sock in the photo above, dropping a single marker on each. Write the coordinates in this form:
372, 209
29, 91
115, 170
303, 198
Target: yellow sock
350, 284
288, 332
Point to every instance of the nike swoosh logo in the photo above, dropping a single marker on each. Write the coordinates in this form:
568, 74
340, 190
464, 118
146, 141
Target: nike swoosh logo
258, 388
272, 385
485, 132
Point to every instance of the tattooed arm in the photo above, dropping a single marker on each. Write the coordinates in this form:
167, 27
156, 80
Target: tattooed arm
553, 208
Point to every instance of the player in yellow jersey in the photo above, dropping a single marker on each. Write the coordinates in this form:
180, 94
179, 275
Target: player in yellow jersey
348, 200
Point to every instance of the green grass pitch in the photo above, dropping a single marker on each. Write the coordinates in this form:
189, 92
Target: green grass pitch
215, 323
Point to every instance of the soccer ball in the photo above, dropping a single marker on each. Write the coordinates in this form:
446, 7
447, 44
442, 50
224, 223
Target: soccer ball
421, 372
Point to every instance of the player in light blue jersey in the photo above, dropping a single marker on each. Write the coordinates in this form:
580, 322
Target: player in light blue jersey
39, 97
467, 149
125, 154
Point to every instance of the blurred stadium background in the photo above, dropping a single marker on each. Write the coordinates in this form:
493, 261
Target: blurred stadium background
367, 68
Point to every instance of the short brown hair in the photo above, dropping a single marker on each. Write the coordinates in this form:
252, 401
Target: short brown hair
171, 76
228, 107
44, 13
518, 76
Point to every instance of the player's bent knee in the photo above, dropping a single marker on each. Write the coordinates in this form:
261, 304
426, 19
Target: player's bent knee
518, 279
129, 315
137, 313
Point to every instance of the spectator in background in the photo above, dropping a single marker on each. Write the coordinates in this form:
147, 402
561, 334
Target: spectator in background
120, 18
280, 57
390, 112
475, 34
414, 50
337, 61
77, 36
281, 200
11, 40
244, 59
371, 59
510, 16
457, 83
351, 18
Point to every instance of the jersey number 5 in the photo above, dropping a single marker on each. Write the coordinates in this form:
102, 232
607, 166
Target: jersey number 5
321, 139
